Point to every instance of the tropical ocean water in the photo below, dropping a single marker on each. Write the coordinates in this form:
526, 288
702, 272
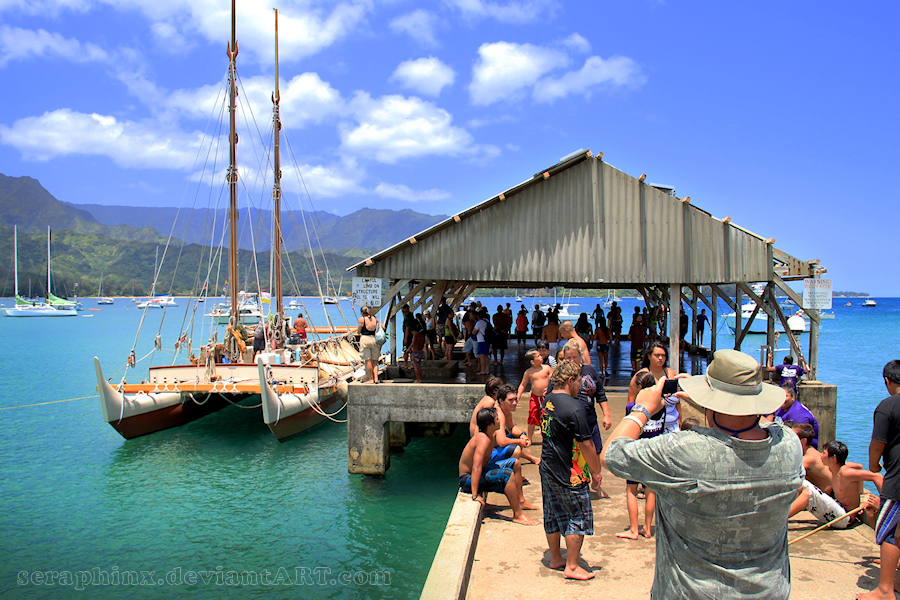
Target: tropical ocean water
194, 506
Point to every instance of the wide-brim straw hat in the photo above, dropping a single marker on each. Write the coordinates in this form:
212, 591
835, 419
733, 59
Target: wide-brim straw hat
733, 385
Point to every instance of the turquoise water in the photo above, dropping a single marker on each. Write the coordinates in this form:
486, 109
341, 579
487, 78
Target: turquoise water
222, 495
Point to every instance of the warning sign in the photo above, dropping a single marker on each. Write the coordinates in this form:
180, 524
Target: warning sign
367, 292
817, 293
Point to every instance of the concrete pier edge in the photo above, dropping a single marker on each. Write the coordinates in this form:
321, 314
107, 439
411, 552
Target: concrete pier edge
448, 577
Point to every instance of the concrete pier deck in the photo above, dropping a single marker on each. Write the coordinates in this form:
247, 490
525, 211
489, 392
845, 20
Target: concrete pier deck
511, 561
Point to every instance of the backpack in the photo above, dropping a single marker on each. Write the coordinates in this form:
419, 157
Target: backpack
489, 333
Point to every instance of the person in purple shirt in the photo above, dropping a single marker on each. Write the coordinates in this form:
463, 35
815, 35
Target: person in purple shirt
788, 372
793, 410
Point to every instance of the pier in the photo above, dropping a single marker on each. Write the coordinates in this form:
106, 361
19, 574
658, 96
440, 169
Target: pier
484, 555
579, 224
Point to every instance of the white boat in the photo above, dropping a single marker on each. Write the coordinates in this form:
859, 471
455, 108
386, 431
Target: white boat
101, 299
158, 302
870, 303
299, 386
249, 312
796, 322
329, 300
610, 299
32, 308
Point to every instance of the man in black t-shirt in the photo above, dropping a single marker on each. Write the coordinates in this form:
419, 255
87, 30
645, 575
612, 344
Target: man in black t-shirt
885, 446
568, 457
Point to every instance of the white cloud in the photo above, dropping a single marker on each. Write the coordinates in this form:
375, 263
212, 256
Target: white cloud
22, 44
419, 25
618, 71
577, 43
511, 11
394, 128
129, 144
305, 27
424, 75
45, 8
305, 99
405, 194
322, 181
504, 68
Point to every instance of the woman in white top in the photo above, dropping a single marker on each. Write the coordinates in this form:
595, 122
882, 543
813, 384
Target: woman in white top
654, 362
368, 347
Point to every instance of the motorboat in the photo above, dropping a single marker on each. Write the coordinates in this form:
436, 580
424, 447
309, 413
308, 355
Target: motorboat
249, 311
796, 322
158, 302
870, 303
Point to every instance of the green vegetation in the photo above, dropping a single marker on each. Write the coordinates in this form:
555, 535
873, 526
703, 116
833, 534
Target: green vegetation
127, 267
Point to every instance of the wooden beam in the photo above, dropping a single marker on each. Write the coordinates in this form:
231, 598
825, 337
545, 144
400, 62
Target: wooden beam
724, 297
389, 295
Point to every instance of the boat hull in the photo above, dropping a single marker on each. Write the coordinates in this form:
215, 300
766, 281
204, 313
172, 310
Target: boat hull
761, 324
166, 418
38, 311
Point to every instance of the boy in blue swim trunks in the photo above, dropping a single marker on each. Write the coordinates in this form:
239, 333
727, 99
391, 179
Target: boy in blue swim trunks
477, 475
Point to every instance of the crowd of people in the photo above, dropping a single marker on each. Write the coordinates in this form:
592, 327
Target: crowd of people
721, 494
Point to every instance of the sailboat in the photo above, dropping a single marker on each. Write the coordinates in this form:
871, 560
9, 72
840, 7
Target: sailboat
299, 385
32, 308
101, 299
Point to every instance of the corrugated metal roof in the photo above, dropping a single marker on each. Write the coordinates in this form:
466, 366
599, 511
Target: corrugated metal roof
579, 223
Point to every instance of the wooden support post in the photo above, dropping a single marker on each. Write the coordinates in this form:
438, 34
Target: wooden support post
770, 322
739, 302
814, 341
694, 318
674, 326
714, 323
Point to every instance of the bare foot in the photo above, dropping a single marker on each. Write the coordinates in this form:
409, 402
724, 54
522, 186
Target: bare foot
646, 532
529, 506
874, 595
578, 573
523, 520
628, 534
558, 566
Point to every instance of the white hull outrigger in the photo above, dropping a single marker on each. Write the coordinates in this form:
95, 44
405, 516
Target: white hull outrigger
299, 386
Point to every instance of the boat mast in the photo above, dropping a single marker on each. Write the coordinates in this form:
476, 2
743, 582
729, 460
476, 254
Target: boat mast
232, 51
16, 257
276, 191
49, 293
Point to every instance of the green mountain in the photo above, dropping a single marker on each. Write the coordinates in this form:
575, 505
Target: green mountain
25, 202
368, 228
121, 243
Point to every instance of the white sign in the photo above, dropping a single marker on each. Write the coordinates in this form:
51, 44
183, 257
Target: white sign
817, 293
367, 292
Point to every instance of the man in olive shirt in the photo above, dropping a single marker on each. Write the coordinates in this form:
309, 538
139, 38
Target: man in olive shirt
723, 492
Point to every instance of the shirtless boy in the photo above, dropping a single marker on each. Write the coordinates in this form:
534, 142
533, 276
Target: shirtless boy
816, 471
417, 351
815, 496
476, 475
504, 447
507, 401
538, 376
847, 480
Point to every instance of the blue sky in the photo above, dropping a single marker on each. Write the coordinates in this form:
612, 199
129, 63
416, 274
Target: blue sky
781, 115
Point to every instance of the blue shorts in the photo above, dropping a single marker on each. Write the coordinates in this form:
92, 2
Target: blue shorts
501, 457
886, 525
567, 510
494, 480
483, 349
598, 441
